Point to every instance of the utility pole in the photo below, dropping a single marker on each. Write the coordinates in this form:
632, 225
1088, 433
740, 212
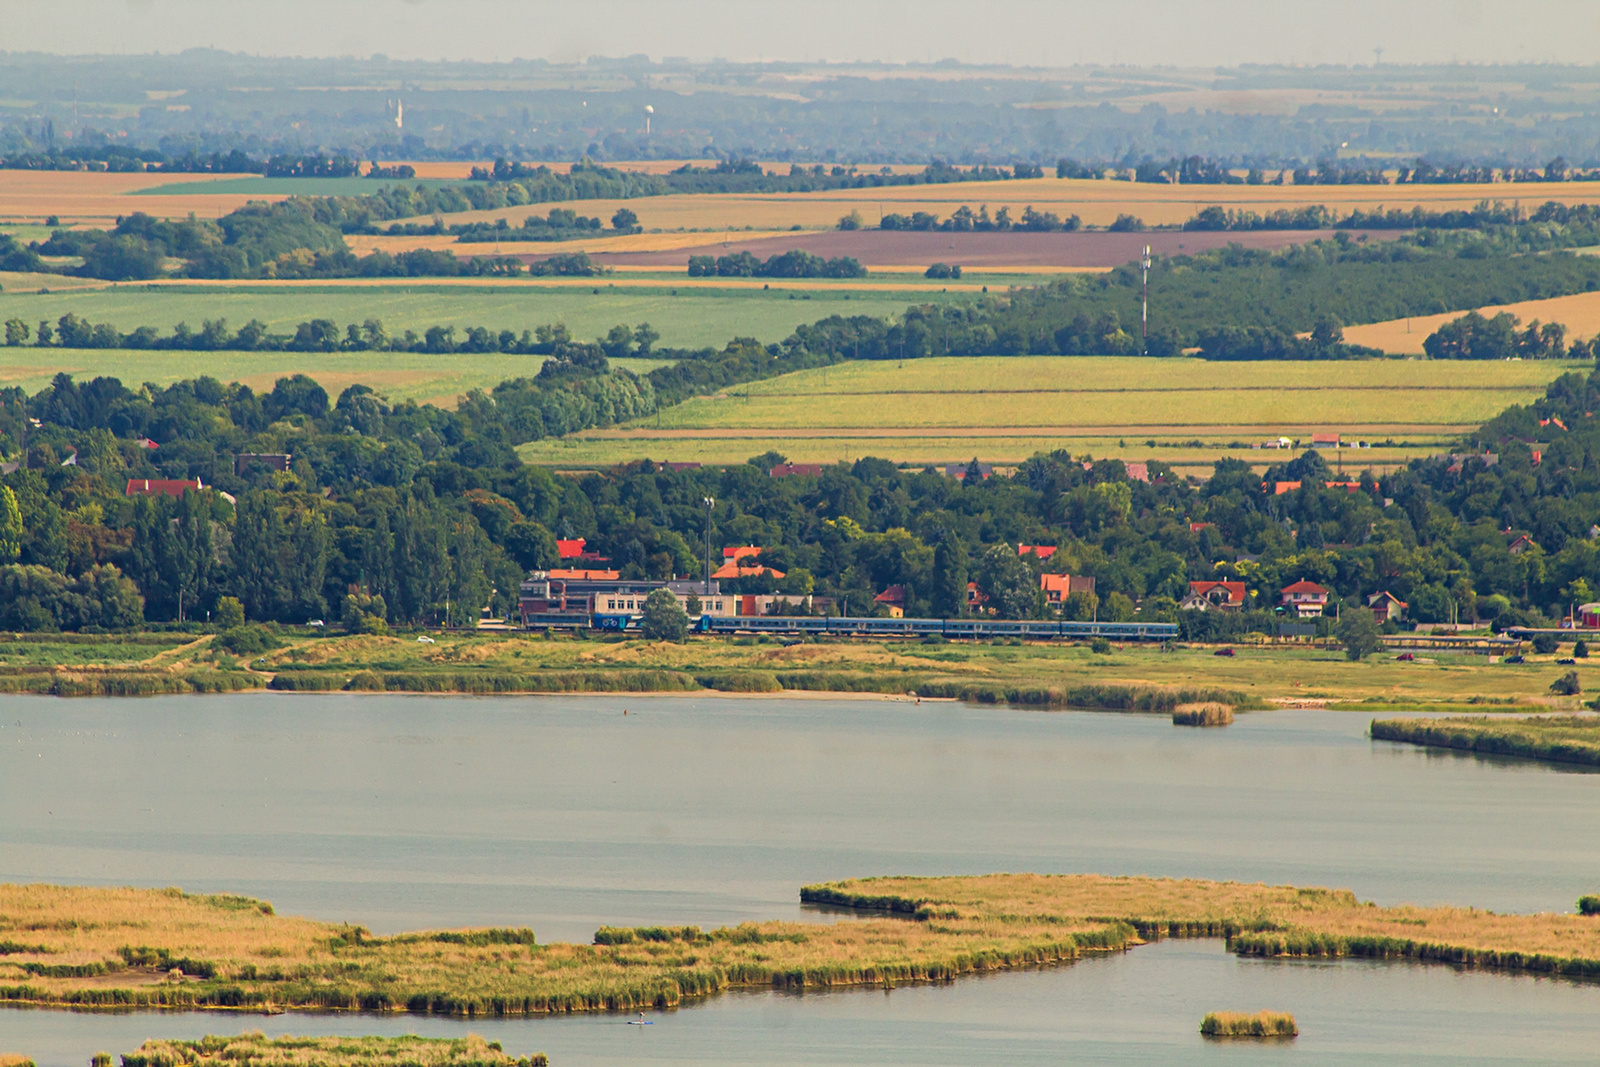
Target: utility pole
1144, 305
708, 503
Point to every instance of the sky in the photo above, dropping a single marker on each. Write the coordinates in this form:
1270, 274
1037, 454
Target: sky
1023, 32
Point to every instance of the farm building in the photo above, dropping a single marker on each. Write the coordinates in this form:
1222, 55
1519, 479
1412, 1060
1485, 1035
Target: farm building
1324, 440
1305, 599
1386, 607
795, 470
1215, 596
893, 598
1589, 616
275, 461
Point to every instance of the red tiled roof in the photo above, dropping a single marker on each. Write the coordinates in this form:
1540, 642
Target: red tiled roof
1041, 551
895, 594
160, 486
1235, 590
1138, 472
738, 568
1303, 586
570, 549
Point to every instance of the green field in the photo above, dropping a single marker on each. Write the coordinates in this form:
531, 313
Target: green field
1002, 409
435, 379
691, 319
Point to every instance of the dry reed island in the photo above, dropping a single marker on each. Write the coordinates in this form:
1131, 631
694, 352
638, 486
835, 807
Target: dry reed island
64, 946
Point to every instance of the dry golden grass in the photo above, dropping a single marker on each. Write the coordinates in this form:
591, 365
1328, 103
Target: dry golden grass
1579, 313
1238, 1024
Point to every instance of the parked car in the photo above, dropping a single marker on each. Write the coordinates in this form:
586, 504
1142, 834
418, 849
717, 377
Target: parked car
1405, 657
1566, 663
1223, 652
1514, 659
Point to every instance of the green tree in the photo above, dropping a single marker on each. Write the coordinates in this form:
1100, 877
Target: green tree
624, 219
10, 526
663, 619
1358, 631
17, 332
949, 593
645, 336
1008, 582
228, 613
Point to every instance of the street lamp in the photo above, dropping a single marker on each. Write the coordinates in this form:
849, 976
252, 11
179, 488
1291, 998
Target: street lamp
708, 503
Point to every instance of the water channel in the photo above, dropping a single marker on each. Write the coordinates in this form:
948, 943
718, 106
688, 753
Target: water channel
564, 813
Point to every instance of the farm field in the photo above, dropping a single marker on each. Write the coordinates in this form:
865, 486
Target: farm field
426, 378
1002, 409
1097, 202
1579, 313
697, 316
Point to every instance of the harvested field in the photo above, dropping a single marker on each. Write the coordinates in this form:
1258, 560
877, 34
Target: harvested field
1579, 313
1098, 203
97, 199
1183, 411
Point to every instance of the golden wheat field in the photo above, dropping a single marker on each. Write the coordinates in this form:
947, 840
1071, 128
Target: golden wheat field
1579, 313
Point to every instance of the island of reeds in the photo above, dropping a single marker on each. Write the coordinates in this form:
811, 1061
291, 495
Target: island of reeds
255, 1049
1238, 1024
140, 948
1208, 714
1554, 738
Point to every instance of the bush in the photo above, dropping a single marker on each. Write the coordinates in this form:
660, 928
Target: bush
1581, 649
1544, 644
249, 639
1567, 685
1100, 646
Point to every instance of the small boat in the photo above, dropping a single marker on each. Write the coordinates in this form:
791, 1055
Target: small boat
641, 1021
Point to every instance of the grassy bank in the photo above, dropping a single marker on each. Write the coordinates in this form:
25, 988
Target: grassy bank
133, 948
1134, 678
255, 1049
1555, 738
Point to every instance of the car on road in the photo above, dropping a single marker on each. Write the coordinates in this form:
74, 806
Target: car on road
1223, 652
1405, 657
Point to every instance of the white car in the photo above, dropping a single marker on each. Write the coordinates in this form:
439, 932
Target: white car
425, 640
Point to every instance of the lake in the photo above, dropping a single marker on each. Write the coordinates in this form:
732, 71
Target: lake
565, 813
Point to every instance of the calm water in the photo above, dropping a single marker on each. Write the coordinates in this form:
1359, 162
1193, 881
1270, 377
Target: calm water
564, 814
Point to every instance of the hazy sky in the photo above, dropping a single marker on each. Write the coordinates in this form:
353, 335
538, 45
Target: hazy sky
1183, 32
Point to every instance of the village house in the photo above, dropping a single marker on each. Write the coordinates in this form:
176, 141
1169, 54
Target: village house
174, 487
1057, 587
1324, 440
1521, 545
1305, 599
1215, 596
1040, 552
893, 598
1386, 607
740, 562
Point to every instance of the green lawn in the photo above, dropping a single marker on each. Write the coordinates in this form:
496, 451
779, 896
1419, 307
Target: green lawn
690, 319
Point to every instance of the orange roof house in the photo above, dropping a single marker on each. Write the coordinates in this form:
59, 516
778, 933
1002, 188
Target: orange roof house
160, 486
1305, 598
894, 598
573, 575
740, 562
1385, 606
570, 548
1057, 587
1215, 596
1041, 551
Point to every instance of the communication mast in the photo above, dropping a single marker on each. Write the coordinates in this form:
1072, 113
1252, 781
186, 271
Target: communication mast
1144, 304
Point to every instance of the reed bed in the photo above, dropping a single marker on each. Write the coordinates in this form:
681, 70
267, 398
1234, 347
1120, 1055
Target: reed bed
8, 1059
1554, 738
115, 683
1202, 715
255, 1049
75, 946
1238, 1024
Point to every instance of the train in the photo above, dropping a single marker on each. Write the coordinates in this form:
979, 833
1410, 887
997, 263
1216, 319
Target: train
845, 626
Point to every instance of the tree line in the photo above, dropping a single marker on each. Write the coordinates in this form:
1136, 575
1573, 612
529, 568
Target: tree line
403, 513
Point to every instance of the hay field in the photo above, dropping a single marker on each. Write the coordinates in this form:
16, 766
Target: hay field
694, 317
1579, 313
1002, 409
431, 379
